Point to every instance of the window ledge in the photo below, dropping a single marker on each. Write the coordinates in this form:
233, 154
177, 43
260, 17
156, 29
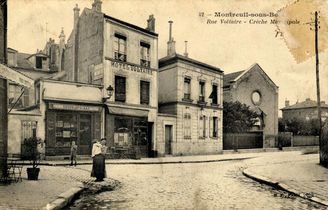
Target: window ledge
187, 100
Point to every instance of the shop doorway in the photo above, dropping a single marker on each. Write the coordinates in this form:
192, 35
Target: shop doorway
150, 140
168, 139
85, 135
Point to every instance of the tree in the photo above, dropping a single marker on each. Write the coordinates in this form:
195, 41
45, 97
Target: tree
238, 117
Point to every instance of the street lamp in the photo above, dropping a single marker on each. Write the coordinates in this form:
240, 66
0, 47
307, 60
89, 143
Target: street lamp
109, 91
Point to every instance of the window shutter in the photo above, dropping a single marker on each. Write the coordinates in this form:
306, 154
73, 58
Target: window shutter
51, 129
26, 97
200, 126
211, 127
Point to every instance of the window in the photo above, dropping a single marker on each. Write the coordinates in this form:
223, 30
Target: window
19, 94
66, 129
120, 88
144, 54
120, 47
187, 125
214, 94
201, 91
202, 126
256, 97
37, 94
28, 129
215, 127
144, 92
186, 88
38, 62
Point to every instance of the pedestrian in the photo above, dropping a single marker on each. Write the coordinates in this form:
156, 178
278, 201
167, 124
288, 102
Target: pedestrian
98, 163
73, 153
103, 152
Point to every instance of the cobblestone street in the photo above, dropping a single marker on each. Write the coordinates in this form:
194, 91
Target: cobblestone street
218, 185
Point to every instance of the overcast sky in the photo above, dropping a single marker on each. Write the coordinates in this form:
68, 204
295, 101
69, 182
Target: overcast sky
230, 47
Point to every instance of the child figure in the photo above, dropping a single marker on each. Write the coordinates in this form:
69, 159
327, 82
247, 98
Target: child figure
73, 153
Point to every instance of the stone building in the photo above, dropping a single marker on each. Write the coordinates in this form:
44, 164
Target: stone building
305, 110
190, 105
254, 88
102, 50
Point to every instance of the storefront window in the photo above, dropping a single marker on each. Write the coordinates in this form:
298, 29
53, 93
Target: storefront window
66, 130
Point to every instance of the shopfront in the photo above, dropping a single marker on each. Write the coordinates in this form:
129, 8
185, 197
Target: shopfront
129, 134
71, 122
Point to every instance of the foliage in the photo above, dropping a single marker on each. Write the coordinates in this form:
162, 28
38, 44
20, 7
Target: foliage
299, 126
31, 151
237, 117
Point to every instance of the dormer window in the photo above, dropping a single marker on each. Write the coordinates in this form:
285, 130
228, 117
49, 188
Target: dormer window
38, 61
120, 47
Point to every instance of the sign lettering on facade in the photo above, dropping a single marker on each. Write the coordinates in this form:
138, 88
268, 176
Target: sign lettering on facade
131, 67
74, 107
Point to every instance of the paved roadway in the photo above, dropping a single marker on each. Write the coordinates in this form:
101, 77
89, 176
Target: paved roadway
217, 185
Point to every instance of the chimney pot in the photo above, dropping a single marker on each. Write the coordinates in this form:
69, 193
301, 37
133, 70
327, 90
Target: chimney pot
186, 52
96, 5
286, 103
171, 42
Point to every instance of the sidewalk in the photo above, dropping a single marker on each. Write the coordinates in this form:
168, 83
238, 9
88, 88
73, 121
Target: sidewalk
160, 160
306, 179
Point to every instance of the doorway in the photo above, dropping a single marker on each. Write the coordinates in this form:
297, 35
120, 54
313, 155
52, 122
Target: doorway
168, 139
85, 135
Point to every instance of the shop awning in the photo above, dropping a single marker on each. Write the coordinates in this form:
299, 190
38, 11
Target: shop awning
15, 77
127, 111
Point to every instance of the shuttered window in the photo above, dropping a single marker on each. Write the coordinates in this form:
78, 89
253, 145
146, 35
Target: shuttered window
187, 125
144, 92
120, 47
120, 89
215, 127
214, 94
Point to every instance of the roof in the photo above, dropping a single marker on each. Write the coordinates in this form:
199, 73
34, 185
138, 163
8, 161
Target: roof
131, 25
227, 78
22, 61
175, 57
308, 103
35, 74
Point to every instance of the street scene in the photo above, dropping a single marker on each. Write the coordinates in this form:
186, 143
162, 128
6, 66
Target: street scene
167, 105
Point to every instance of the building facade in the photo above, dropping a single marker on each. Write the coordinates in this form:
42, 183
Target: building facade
112, 53
254, 88
305, 110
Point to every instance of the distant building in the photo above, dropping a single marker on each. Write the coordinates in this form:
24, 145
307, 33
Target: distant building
305, 110
190, 105
254, 88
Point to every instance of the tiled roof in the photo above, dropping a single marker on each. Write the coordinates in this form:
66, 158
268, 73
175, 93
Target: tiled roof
227, 78
308, 103
22, 61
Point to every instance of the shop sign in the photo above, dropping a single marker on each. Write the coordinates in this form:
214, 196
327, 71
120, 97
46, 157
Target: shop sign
74, 107
131, 67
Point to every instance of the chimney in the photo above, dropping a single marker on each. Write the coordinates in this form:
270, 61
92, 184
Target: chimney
151, 23
76, 15
96, 5
286, 103
186, 53
171, 42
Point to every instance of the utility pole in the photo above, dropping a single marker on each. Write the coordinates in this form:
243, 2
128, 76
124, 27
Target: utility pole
316, 27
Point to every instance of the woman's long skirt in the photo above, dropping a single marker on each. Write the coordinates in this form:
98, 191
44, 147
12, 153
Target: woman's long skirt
98, 167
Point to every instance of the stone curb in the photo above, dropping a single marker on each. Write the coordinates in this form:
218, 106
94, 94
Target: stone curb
264, 180
64, 199
146, 162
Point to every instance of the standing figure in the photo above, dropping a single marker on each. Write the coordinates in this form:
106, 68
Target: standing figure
103, 152
73, 153
98, 164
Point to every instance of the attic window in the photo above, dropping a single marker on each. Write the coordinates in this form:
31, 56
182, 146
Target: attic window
38, 62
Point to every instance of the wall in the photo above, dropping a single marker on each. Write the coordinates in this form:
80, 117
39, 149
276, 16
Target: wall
15, 119
242, 92
90, 43
167, 81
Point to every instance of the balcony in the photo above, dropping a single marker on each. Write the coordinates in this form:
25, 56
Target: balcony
186, 98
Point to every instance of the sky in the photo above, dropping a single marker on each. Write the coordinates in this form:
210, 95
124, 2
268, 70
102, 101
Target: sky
231, 47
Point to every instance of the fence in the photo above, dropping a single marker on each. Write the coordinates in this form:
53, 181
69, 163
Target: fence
242, 140
305, 141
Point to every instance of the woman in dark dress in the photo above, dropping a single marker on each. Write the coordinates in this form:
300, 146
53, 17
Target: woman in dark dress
98, 164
